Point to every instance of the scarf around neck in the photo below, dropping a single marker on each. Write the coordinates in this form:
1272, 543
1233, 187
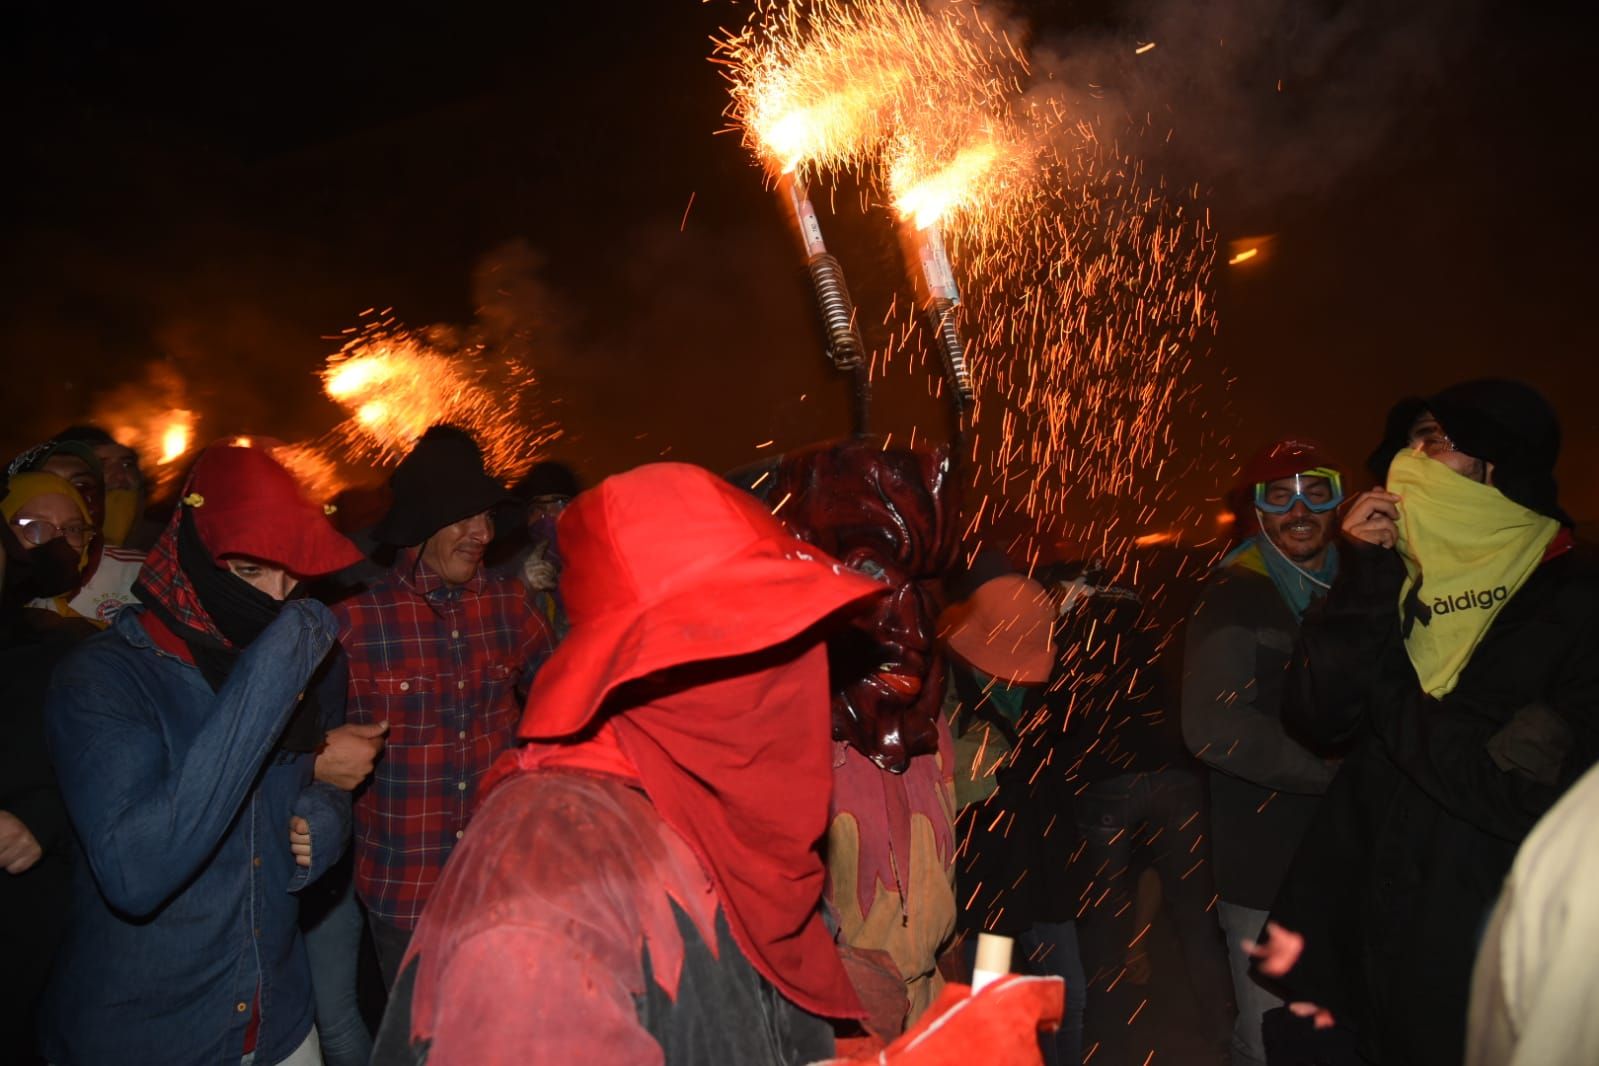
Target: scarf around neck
216, 614
1298, 586
736, 756
1467, 549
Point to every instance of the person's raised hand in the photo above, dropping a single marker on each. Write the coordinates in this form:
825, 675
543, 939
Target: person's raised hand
1373, 517
539, 572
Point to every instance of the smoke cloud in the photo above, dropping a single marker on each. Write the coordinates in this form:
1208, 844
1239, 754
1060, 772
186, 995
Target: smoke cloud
1263, 101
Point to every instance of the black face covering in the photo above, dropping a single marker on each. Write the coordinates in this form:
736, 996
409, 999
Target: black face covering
40, 573
242, 612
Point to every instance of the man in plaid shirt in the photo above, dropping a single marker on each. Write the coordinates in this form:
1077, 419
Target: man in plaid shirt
443, 653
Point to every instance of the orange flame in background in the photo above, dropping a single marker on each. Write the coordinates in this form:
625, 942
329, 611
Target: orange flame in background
394, 382
177, 437
153, 417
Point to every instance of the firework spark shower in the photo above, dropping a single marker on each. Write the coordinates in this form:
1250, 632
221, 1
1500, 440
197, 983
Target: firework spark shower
394, 382
1086, 282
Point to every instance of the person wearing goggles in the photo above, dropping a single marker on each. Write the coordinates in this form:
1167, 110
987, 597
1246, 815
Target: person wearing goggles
1320, 489
1265, 783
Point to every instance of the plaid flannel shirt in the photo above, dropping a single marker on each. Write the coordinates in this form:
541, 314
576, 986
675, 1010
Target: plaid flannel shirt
446, 668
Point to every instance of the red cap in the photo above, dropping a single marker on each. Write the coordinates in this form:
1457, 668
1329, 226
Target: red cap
246, 503
1285, 459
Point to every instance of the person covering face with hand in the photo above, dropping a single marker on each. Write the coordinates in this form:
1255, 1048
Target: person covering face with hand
1454, 654
183, 739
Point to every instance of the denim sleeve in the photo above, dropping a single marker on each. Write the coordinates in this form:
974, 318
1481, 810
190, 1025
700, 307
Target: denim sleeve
148, 814
332, 681
327, 809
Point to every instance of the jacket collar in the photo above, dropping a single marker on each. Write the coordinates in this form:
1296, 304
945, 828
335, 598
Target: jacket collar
416, 575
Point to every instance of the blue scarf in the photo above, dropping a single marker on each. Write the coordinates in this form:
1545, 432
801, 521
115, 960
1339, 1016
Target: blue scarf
1298, 586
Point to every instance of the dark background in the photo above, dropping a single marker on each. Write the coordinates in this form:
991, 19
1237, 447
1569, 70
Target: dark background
223, 190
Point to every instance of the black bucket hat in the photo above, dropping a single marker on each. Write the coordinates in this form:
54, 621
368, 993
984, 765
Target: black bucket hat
440, 482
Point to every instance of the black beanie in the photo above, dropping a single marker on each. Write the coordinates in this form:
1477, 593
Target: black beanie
1503, 422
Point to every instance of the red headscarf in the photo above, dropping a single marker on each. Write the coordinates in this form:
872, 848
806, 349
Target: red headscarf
693, 640
244, 502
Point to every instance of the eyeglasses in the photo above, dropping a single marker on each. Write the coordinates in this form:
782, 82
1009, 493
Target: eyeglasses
1433, 443
38, 531
1428, 436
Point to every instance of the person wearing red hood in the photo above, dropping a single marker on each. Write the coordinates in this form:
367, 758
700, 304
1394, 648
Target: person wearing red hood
643, 882
184, 740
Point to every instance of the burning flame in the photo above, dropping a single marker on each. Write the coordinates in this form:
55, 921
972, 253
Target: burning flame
826, 128
934, 196
397, 387
177, 437
395, 382
830, 84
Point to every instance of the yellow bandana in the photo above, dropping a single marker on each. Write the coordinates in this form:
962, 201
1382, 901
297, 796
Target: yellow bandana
1467, 549
121, 511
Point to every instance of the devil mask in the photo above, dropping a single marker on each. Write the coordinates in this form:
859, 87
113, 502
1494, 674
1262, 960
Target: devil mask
890, 515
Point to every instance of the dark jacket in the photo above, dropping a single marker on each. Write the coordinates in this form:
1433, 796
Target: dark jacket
183, 922
1015, 847
33, 904
1265, 785
1405, 858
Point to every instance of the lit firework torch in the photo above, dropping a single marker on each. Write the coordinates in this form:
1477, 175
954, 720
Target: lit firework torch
843, 339
922, 202
808, 102
787, 136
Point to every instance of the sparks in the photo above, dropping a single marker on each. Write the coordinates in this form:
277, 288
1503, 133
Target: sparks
1085, 285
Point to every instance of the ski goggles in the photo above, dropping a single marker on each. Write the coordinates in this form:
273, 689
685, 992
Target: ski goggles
1319, 490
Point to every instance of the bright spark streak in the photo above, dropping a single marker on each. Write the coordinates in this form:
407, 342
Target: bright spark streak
1244, 256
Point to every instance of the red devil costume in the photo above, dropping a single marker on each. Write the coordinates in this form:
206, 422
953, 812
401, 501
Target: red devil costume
642, 882
891, 515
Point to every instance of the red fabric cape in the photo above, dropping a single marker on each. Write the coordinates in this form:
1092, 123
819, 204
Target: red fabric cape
736, 756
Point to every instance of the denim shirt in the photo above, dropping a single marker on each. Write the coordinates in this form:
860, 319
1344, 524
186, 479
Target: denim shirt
182, 912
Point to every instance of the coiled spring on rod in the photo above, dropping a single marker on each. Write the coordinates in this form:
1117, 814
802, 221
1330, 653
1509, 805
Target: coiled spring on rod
844, 345
941, 316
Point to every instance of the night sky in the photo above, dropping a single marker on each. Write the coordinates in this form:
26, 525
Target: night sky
221, 193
